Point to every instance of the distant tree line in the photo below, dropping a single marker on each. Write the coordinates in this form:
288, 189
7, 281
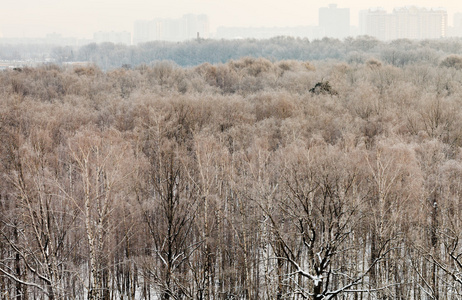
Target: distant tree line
195, 52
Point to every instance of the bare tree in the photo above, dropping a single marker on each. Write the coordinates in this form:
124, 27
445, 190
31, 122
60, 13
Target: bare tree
43, 219
168, 204
322, 208
101, 167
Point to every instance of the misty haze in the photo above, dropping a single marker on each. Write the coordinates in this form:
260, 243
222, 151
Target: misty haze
221, 149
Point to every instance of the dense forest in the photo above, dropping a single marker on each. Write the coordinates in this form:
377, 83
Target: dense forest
249, 179
108, 56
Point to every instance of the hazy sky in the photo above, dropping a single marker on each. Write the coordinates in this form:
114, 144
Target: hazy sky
81, 18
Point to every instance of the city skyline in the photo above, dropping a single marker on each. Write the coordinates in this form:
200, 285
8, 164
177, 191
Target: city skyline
410, 22
26, 18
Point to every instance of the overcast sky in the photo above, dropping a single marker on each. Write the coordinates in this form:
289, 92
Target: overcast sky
81, 18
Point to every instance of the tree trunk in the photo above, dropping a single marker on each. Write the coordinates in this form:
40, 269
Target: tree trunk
17, 266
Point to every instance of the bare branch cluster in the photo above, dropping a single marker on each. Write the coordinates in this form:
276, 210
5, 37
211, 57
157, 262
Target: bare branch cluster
249, 179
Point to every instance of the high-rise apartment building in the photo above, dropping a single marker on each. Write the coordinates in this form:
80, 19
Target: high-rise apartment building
377, 23
145, 31
405, 22
334, 21
185, 28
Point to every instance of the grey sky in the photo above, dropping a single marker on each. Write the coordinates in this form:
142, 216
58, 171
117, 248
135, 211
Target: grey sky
81, 18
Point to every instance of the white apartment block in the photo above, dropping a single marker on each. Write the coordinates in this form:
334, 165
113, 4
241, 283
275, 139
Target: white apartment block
186, 28
405, 22
334, 21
